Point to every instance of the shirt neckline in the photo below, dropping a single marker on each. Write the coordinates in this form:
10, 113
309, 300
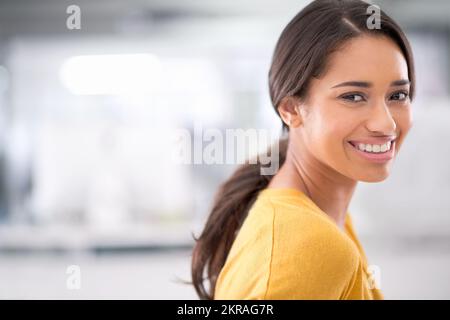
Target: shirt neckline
296, 193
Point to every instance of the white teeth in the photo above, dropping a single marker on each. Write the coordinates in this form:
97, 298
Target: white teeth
375, 148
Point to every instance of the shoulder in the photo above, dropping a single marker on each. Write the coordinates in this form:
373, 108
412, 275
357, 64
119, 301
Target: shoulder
311, 257
304, 226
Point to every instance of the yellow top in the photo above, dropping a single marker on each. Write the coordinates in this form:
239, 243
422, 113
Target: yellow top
288, 248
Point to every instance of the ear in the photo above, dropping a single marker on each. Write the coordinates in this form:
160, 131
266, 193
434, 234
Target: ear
289, 109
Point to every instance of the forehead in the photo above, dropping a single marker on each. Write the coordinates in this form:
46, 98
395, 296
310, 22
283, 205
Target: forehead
376, 59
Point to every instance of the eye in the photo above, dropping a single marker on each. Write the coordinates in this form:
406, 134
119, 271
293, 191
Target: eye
353, 97
400, 96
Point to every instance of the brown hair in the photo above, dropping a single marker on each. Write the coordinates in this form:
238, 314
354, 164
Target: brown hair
300, 54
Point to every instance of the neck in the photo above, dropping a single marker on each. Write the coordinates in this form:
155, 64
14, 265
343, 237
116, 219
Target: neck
330, 190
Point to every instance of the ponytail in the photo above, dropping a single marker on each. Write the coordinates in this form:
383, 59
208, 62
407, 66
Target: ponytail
230, 208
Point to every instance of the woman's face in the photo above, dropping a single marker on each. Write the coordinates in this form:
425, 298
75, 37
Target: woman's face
361, 102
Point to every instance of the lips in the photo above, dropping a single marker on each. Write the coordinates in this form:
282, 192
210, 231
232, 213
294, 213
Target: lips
381, 157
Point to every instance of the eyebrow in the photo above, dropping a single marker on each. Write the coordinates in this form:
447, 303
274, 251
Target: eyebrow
365, 84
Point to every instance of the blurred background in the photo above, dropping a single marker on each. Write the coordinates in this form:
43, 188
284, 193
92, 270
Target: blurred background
88, 185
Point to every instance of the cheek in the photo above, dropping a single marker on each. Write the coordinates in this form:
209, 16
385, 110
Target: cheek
331, 130
404, 122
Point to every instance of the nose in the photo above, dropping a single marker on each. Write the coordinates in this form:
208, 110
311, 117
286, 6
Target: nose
381, 120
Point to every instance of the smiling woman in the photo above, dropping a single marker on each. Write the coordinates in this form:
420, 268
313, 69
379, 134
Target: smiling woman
343, 92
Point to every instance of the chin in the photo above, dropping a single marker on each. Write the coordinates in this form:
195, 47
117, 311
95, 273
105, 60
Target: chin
375, 177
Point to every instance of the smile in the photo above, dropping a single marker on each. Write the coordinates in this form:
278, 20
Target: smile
379, 153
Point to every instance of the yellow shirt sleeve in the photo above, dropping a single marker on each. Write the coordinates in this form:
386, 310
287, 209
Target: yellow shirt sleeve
286, 250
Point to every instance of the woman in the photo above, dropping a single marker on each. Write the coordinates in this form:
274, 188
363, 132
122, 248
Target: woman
343, 92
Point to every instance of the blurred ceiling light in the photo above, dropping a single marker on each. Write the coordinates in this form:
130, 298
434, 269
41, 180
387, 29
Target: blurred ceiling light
118, 74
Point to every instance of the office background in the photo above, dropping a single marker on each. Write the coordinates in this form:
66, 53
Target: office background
87, 118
